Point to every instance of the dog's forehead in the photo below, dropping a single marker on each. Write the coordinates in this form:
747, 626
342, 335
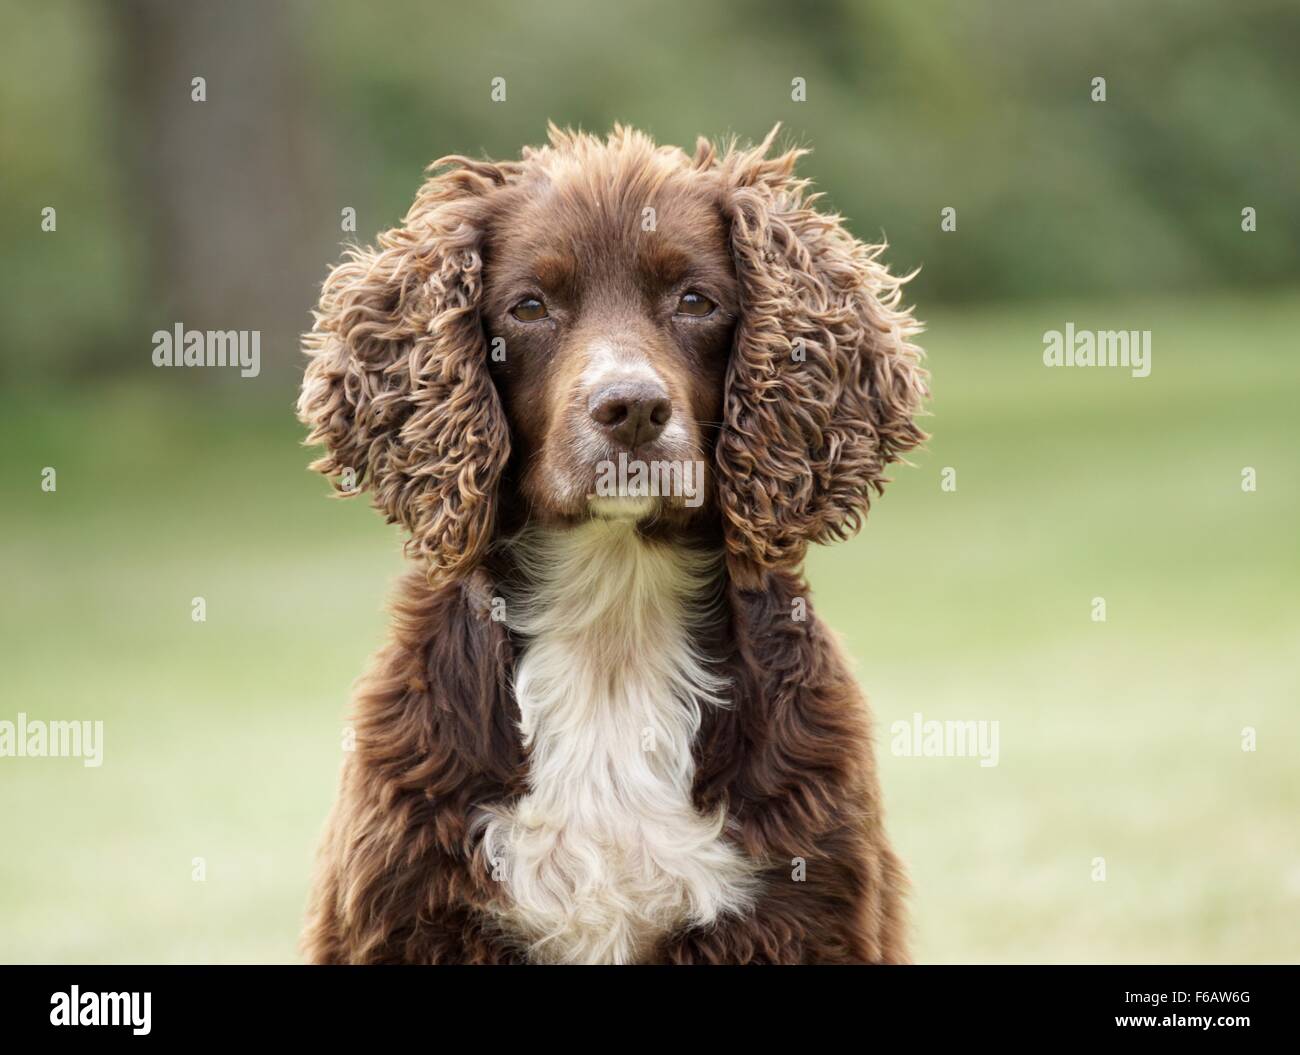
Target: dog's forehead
653, 221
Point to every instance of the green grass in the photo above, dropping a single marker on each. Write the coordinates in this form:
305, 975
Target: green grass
1119, 739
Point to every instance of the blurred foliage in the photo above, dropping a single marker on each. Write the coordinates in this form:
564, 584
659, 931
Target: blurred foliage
910, 108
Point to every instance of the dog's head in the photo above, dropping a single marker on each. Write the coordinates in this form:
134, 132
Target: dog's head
607, 328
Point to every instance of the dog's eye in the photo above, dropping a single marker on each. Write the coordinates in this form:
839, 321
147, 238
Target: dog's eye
695, 304
530, 309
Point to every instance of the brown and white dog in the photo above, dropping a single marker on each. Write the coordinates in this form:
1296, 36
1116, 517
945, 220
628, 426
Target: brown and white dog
608, 727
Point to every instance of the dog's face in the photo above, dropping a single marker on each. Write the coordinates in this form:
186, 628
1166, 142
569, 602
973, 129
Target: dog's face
610, 305
609, 328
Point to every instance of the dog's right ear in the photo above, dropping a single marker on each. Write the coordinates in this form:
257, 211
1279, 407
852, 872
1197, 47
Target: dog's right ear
397, 386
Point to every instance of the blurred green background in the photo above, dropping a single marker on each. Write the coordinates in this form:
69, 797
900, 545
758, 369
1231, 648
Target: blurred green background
1120, 740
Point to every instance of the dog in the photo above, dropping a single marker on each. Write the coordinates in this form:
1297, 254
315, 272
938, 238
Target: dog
608, 727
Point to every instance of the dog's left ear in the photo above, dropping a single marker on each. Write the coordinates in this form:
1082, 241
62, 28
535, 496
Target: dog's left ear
824, 381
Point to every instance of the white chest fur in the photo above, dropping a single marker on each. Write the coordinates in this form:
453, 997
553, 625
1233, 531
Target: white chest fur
605, 852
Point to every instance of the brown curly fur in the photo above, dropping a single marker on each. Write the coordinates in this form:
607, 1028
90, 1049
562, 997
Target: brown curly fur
821, 388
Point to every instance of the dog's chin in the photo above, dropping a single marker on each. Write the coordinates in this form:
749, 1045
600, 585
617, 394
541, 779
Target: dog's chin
567, 495
624, 508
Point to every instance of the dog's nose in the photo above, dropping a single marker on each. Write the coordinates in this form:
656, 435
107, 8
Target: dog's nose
631, 412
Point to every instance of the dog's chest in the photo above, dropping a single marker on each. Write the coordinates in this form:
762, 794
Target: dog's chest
606, 852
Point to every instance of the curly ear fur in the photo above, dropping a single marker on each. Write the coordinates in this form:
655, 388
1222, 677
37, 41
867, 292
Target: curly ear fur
397, 387
807, 440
